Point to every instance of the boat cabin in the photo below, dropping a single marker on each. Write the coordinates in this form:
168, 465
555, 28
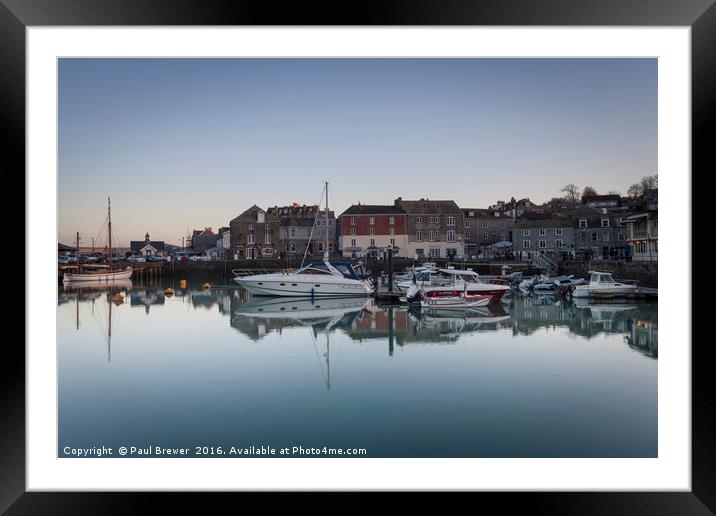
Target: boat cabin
345, 268
600, 278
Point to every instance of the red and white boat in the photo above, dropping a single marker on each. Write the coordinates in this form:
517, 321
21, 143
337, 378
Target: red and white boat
465, 282
445, 299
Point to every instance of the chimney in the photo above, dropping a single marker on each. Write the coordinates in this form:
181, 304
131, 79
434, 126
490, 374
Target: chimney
397, 202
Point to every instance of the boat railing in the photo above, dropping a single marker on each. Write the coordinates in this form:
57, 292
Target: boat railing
250, 272
627, 281
494, 281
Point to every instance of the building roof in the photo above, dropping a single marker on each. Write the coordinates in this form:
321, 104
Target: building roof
297, 222
373, 209
206, 233
601, 198
296, 210
250, 215
137, 245
428, 207
64, 247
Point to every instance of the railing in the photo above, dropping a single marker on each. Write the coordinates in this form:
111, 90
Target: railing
250, 272
544, 262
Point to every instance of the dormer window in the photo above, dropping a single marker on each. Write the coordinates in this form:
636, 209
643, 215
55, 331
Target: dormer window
583, 223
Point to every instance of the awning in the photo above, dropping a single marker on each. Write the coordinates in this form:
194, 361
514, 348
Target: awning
504, 243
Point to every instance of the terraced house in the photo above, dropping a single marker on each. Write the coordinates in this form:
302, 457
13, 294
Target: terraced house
255, 234
599, 233
485, 227
539, 233
367, 230
304, 227
434, 228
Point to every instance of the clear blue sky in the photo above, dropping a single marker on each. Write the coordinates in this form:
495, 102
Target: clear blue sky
186, 143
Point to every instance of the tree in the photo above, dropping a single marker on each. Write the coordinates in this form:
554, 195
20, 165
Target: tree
571, 193
635, 191
588, 192
649, 184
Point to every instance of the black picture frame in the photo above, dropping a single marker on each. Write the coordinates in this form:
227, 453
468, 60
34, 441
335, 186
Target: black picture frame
700, 15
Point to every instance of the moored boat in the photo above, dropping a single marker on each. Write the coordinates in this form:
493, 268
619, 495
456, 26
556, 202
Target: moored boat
603, 284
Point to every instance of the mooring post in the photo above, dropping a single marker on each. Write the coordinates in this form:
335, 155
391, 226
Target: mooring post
390, 269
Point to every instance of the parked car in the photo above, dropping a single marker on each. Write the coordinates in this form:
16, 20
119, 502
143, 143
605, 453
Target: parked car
199, 258
154, 258
64, 260
181, 256
135, 258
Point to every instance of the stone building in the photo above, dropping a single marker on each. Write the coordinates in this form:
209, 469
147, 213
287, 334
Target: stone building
255, 234
434, 228
304, 226
485, 227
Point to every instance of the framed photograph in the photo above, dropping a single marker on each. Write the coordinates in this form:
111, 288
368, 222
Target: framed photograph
416, 250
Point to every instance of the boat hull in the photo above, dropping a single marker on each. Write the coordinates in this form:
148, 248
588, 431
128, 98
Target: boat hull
97, 277
587, 291
287, 286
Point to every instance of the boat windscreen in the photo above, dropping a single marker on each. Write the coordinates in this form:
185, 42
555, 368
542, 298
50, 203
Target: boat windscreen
346, 269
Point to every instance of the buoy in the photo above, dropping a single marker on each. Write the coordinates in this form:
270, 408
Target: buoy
206, 286
182, 283
118, 298
169, 292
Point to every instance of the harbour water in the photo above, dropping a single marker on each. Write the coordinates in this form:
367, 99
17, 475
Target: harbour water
214, 369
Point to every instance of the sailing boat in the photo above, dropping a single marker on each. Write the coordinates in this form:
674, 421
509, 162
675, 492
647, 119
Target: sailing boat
98, 273
317, 279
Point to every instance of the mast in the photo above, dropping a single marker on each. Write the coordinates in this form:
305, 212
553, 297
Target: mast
109, 229
325, 249
109, 328
77, 254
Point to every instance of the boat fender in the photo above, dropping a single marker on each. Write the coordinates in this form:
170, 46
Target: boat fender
169, 292
182, 284
206, 286
118, 297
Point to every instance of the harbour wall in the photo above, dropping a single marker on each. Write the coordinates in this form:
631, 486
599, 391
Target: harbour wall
645, 272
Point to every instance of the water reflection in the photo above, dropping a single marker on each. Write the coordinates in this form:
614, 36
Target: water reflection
363, 319
531, 377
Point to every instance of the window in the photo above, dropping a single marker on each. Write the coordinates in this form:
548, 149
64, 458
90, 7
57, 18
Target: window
471, 213
605, 236
467, 236
418, 220
419, 236
525, 232
353, 231
392, 231
432, 219
485, 224
420, 252
526, 244
372, 231
392, 241
434, 253
353, 242
267, 238
595, 237
391, 220
542, 232
320, 247
486, 235
558, 243
558, 231
582, 223
620, 236
437, 220
251, 227
353, 221
605, 223
451, 221
292, 232
371, 221
292, 248
251, 238
502, 225
451, 236
268, 227
542, 244
372, 242
432, 237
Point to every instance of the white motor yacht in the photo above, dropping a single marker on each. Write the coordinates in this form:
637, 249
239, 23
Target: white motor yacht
602, 283
458, 282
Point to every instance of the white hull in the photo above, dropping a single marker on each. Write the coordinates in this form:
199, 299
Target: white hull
459, 303
587, 291
300, 308
97, 277
307, 285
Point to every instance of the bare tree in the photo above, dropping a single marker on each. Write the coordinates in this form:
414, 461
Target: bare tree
635, 190
571, 193
649, 184
588, 192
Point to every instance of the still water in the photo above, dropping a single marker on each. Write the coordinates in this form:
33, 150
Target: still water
530, 377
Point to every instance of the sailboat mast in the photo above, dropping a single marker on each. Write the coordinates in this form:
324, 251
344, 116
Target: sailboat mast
325, 253
109, 229
77, 253
109, 329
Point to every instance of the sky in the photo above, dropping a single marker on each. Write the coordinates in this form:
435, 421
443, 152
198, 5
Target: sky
182, 144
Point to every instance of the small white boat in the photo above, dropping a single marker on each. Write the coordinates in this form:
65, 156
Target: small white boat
97, 273
603, 284
452, 300
458, 282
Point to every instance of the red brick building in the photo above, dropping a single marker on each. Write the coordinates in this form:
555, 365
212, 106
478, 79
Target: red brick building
368, 230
